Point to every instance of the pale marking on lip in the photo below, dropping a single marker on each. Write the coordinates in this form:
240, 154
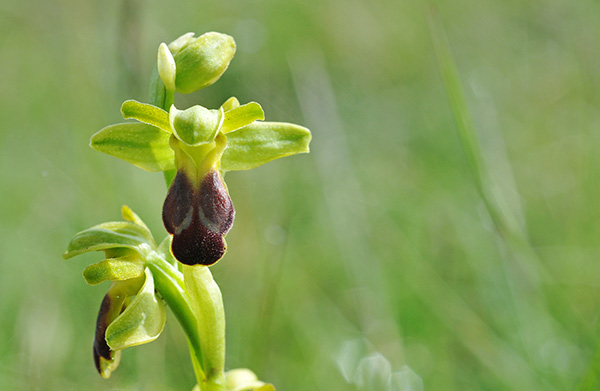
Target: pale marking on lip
186, 221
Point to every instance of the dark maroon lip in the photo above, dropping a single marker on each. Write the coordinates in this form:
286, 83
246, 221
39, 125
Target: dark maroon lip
198, 218
109, 310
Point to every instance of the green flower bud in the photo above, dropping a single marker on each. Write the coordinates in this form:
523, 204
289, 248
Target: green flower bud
166, 67
201, 61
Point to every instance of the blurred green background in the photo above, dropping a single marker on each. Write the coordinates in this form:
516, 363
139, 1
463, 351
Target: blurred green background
370, 264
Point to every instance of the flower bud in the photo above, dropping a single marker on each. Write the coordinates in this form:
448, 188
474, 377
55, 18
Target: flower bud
166, 67
202, 60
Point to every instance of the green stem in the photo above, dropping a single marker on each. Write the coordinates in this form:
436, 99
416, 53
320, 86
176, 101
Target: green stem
169, 284
160, 97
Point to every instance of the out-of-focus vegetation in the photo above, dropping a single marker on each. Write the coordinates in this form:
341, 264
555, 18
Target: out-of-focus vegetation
373, 255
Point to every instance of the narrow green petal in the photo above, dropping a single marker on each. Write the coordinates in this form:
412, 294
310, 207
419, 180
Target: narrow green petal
146, 113
142, 145
230, 104
106, 236
113, 269
261, 142
142, 321
241, 116
130, 215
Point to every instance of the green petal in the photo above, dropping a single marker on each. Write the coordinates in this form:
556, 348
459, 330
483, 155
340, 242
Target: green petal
146, 113
142, 321
130, 215
261, 142
142, 145
230, 104
241, 116
196, 125
113, 269
105, 236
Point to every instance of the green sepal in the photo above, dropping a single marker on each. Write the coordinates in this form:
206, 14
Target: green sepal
196, 125
230, 104
146, 113
142, 321
113, 269
142, 145
241, 116
261, 142
118, 234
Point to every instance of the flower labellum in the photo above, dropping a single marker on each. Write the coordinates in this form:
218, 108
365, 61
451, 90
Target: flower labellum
105, 359
198, 217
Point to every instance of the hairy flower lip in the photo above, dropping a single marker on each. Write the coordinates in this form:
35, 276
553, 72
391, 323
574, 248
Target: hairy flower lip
198, 218
106, 360
101, 348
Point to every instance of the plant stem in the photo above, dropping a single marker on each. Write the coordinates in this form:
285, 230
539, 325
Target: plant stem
160, 97
169, 284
